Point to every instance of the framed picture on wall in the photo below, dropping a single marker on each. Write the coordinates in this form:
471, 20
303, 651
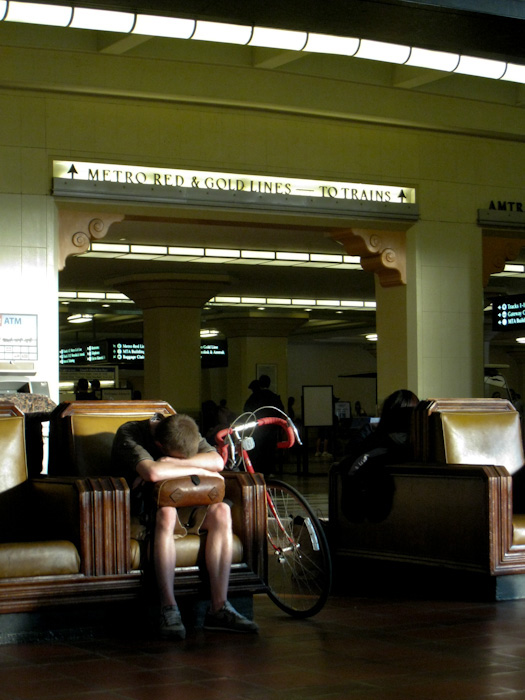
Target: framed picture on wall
271, 371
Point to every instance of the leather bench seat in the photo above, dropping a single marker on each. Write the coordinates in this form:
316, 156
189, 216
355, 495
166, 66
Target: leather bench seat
51, 558
518, 529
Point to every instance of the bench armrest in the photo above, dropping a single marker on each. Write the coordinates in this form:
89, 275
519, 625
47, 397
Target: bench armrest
93, 513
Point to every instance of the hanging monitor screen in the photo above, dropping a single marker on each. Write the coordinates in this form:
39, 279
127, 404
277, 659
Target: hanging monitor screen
214, 353
508, 313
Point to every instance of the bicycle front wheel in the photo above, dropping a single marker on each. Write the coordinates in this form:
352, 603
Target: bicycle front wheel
299, 564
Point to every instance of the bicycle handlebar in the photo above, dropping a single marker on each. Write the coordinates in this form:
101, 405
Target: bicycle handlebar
222, 448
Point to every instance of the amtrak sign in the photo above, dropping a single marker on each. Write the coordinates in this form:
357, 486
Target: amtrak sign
229, 190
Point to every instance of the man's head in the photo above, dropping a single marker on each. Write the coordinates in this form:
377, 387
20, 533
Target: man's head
178, 436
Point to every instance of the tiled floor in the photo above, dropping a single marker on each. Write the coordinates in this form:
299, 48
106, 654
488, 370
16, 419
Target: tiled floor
369, 648
363, 645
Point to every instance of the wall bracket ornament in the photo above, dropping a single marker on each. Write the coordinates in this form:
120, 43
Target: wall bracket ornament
496, 252
76, 230
381, 252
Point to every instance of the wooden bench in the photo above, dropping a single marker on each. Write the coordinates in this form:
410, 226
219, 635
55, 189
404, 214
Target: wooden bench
81, 436
452, 506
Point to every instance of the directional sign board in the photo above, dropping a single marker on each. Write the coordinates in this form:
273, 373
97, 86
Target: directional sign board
508, 313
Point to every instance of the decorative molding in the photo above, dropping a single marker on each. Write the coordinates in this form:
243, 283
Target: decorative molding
498, 251
381, 252
76, 230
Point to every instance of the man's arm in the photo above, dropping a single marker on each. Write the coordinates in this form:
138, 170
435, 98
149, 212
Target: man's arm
200, 464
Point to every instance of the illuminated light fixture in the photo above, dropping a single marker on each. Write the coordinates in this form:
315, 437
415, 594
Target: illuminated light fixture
328, 302
320, 257
149, 249
511, 267
382, 51
170, 27
281, 302
258, 254
372, 337
352, 259
117, 296
80, 318
110, 248
338, 45
185, 251
34, 13
228, 300
481, 67
209, 333
91, 295
222, 253
278, 39
102, 20
514, 73
370, 305
303, 302
435, 60
298, 257
178, 28
253, 300
520, 340
353, 304
222, 32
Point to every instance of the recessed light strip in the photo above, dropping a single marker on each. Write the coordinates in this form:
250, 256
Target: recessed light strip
116, 297
220, 255
247, 35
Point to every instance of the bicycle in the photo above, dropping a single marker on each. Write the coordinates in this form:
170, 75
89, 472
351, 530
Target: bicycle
299, 567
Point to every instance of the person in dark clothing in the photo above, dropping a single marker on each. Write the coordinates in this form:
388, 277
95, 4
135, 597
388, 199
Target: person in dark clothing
367, 489
263, 400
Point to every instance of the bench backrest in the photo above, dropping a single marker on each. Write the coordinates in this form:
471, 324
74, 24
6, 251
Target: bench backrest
81, 437
473, 431
13, 467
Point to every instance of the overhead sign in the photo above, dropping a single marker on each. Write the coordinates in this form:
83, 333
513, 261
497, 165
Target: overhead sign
130, 352
211, 188
508, 313
214, 353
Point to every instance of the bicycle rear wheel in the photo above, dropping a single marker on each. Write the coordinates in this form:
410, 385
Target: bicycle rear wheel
299, 564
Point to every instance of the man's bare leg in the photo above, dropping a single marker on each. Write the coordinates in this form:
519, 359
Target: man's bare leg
218, 551
164, 556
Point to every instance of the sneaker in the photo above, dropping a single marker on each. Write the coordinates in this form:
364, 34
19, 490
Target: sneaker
228, 619
171, 623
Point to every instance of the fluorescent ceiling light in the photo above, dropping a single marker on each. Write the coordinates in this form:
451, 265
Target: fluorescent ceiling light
381, 51
298, 257
436, 60
34, 13
222, 32
102, 20
481, 67
339, 45
512, 267
278, 39
149, 249
171, 27
80, 318
109, 248
514, 73
258, 254
178, 250
320, 257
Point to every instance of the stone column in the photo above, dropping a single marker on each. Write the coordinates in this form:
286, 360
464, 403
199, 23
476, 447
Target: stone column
171, 305
429, 293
